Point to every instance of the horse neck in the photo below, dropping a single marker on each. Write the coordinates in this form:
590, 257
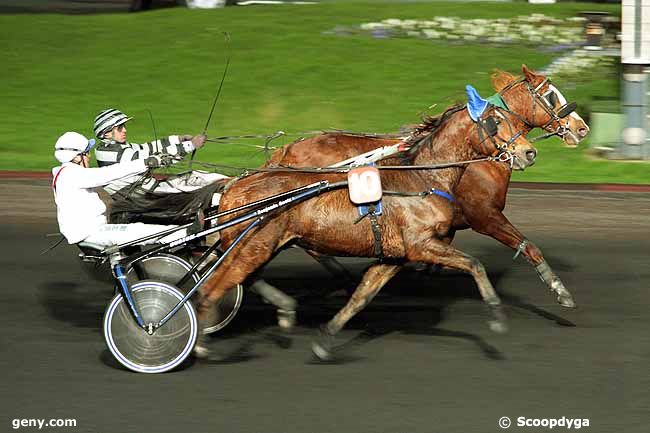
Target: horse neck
450, 143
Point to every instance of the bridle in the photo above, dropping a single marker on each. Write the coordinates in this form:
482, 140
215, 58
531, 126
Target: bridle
489, 127
544, 101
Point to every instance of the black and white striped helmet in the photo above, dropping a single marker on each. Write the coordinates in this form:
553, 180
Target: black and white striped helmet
107, 120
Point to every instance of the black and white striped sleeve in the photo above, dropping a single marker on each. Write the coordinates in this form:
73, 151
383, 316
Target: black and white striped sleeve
115, 153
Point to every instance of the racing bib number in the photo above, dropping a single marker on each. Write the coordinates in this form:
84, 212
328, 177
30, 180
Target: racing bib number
364, 185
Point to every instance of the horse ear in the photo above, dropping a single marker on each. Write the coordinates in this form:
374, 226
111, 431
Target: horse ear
497, 82
530, 75
501, 79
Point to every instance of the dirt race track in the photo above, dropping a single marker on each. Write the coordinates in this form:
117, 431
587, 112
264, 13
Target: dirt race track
420, 358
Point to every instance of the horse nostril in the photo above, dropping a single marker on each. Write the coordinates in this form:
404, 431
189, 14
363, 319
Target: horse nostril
531, 154
582, 132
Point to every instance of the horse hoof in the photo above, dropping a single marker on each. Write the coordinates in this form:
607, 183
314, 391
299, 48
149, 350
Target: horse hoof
201, 351
286, 319
564, 298
498, 326
566, 301
323, 345
498, 323
321, 352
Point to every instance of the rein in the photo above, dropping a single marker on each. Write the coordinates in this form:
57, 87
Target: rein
411, 142
304, 133
290, 169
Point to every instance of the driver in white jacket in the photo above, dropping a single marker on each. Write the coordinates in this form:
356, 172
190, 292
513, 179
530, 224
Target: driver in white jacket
80, 210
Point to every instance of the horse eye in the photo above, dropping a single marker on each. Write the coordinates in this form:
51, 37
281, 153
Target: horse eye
552, 99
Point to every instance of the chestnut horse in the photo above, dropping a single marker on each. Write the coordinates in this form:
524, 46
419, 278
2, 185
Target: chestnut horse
481, 192
412, 228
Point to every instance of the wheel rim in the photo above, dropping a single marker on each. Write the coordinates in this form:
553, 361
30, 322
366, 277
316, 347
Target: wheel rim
164, 349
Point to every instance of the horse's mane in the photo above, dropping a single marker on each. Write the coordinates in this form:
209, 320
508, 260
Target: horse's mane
431, 123
501, 79
425, 130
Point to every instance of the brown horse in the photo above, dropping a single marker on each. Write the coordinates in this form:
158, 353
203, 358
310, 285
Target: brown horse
413, 228
481, 192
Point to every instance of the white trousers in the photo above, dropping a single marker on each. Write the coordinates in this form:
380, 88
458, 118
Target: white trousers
116, 234
183, 183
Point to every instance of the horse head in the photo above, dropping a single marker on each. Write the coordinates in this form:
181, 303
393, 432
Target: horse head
498, 135
541, 104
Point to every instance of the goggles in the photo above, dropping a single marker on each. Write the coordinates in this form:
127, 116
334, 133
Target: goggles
86, 151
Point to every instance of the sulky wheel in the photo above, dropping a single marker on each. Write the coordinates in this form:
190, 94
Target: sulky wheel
168, 346
170, 269
167, 268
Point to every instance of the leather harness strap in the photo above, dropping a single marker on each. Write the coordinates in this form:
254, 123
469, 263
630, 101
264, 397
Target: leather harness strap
56, 178
376, 230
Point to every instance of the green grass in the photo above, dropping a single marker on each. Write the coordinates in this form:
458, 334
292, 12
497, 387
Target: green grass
286, 74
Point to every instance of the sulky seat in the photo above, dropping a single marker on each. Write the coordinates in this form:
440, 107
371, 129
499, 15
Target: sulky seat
91, 252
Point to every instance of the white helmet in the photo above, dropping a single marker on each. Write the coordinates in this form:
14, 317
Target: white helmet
70, 145
107, 120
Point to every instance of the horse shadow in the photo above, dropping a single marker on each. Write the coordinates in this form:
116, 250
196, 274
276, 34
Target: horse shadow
444, 288
398, 299
518, 302
396, 309
78, 304
440, 291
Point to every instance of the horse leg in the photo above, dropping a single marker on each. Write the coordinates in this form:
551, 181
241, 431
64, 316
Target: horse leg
448, 239
333, 266
435, 268
243, 261
373, 280
497, 226
285, 304
435, 251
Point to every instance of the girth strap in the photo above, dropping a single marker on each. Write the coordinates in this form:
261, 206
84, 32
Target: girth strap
432, 191
376, 231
